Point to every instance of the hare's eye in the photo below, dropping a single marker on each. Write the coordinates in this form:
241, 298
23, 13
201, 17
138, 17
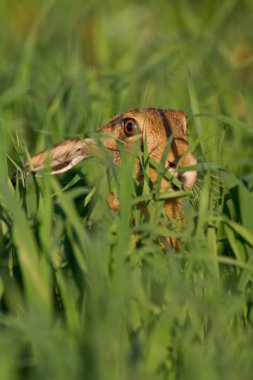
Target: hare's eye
130, 127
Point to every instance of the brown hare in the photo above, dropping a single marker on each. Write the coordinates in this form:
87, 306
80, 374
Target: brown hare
151, 125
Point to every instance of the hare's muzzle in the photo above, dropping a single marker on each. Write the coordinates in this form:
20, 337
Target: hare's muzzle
188, 178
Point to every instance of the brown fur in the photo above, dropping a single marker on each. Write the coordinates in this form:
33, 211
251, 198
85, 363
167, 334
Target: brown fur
157, 125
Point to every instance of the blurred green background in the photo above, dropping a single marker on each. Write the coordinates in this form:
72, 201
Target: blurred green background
85, 293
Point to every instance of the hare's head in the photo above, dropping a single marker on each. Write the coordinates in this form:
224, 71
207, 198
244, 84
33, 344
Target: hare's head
162, 130
159, 129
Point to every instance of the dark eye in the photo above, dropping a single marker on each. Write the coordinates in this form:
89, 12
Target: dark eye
130, 127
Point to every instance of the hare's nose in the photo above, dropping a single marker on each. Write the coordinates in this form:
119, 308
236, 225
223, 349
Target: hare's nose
188, 179
171, 165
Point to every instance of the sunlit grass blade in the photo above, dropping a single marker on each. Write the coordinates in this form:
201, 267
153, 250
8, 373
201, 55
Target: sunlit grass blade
36, 286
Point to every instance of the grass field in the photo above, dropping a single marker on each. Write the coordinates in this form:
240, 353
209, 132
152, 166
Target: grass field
89, 294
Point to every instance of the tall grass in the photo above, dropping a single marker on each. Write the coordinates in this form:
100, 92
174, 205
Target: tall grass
88, 293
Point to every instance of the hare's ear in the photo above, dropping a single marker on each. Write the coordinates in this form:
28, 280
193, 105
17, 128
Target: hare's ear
180, 121
62, 156
184, 123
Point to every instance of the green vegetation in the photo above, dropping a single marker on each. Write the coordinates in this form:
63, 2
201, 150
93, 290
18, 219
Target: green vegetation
89, 294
